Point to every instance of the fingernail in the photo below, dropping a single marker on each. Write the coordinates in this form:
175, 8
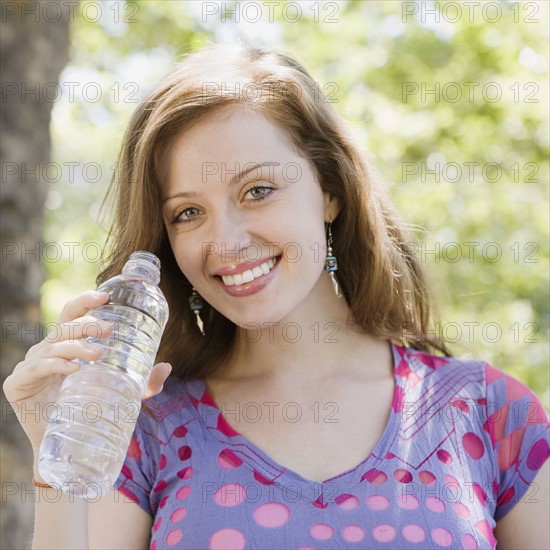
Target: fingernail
100, 294
168, 365
92, 346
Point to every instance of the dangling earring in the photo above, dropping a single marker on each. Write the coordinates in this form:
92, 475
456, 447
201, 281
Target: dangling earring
330, 261
196, 304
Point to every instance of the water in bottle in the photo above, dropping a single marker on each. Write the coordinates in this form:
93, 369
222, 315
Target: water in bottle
92, 423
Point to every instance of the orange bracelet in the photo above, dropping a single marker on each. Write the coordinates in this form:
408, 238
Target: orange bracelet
42, 485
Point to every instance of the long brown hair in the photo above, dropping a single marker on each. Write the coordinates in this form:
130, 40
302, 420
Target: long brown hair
381, 279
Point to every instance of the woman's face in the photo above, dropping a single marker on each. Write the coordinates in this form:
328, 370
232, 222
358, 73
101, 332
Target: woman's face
245, 216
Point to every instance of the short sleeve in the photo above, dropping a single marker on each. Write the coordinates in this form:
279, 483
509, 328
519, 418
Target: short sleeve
137, 476
518, 426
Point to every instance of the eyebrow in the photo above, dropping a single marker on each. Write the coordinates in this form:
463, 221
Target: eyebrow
234, 179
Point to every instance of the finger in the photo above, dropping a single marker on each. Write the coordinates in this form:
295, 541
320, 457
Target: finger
159, 374
69, 350
71, 331
81, 304
32, 372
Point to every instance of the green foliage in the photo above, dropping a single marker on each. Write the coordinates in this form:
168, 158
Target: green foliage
492, 155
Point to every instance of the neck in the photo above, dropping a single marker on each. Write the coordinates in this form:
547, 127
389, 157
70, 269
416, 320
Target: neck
315, 338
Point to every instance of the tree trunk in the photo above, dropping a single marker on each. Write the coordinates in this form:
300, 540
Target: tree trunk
34, 45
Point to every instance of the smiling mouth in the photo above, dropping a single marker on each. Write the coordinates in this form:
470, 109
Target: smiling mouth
250, 274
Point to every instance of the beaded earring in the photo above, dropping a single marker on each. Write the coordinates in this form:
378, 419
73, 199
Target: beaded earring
330, 261
196, 304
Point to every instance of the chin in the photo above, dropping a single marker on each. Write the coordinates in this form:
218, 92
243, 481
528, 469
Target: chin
256, 319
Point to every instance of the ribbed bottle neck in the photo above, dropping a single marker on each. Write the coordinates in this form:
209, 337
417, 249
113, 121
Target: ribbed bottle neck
144, 266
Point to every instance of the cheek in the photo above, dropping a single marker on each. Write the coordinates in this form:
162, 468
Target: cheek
188, 256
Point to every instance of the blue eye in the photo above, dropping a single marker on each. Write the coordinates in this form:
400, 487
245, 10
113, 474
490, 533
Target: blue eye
262, 189
179, 219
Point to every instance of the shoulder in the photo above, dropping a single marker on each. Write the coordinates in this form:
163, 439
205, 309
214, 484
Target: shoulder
477, 379
475, 392
499, 423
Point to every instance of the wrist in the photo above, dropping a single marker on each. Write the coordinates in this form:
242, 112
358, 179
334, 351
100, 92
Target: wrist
35, 473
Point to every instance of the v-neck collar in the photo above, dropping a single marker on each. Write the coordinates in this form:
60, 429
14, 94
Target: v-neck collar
268, 471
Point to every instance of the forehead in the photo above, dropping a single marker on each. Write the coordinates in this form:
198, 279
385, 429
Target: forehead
232, 135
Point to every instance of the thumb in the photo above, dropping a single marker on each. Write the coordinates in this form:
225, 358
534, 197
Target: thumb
159, 374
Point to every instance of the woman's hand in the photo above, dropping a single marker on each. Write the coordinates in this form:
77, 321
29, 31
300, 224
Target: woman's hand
34, 385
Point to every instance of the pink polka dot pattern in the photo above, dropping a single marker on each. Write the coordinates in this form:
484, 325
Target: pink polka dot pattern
473, 445
186, 473
435, 504
353, 533
160, 486
347, 502
183, 492
163, 502
442, 537
184, 453
407, 502
413, 533
426, 477
469, 543
403, 476
389, 500
384, 533
460, 510
230, 494
180, 431
174, 537
538, 454
227, 539
271, 514
484, 528
444, 456
378, 502
229, 460
506, 497
374, 476
321, 531
178, 514
449, 480
480, 494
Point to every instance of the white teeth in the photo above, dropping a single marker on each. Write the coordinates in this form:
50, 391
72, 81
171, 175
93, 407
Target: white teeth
249, 274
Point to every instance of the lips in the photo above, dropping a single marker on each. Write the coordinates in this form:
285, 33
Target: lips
238, 281
249, 274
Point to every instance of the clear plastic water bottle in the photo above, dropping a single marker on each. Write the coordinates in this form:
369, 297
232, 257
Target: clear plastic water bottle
90, 428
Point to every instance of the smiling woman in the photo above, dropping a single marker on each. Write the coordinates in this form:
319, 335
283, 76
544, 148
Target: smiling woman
309, 407
221, 113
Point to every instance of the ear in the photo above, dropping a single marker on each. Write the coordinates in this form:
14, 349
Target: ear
332, 207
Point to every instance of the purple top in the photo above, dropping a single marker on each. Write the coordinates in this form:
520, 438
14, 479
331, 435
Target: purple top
461, 447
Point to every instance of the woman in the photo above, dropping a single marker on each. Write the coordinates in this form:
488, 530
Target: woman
306, 408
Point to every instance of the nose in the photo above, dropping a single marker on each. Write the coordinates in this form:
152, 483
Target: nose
229, 235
